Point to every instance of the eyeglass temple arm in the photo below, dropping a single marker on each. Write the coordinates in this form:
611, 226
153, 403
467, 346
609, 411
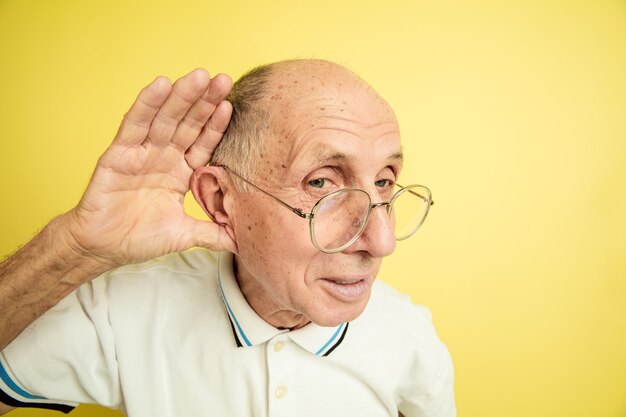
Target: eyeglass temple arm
298, 211
417, 194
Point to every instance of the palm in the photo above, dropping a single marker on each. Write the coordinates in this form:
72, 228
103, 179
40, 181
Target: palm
133, 207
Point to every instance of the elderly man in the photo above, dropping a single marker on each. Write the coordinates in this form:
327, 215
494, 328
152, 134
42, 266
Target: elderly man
282, 315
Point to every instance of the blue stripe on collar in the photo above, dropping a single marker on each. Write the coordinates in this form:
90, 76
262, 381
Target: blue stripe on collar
230, 312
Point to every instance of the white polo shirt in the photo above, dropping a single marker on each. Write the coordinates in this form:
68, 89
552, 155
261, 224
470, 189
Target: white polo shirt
175, 337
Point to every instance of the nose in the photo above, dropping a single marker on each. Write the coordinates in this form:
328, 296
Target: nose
378, 237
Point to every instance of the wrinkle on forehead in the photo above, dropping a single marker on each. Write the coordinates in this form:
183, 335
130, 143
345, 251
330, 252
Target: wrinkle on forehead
324, 153
310, 95
323, 82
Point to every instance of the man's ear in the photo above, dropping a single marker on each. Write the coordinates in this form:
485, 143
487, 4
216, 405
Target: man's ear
208, 185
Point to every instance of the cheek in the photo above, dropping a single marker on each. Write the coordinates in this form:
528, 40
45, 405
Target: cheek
272, 239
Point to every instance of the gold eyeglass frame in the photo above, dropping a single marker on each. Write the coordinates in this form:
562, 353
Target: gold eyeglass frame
311, 216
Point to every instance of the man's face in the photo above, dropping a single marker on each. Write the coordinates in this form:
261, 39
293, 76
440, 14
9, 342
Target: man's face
329, 133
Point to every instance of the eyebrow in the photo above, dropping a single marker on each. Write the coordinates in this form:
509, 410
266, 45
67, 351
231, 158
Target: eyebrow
325, 154
398, 156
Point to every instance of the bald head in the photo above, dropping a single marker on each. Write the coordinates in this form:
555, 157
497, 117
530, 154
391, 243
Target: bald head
269, 100
306, 77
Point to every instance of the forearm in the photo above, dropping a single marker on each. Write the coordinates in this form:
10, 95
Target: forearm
39, 275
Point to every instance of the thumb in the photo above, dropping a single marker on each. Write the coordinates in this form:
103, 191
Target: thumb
211, 236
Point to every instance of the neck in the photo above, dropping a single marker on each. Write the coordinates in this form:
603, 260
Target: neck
264, 303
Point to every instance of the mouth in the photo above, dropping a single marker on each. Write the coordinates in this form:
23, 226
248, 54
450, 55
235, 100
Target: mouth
346, 288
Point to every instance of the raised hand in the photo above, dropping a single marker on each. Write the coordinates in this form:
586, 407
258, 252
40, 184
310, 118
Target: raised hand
133, 207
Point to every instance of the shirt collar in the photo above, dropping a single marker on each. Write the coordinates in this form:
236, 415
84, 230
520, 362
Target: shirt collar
249, 329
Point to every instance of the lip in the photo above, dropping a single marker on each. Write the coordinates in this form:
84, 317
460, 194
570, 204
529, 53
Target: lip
347, 289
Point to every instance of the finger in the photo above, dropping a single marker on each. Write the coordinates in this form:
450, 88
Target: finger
200, 153
184, 94
137, 120
211, 236
195, 119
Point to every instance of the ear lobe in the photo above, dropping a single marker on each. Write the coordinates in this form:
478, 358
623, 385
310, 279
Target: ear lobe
206, 184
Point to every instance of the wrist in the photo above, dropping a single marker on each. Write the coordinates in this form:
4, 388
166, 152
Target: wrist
62, 236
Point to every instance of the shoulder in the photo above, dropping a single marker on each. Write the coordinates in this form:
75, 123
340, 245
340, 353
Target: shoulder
191, 262
389, 305
395, 340
179, 268
180, 279
403, 325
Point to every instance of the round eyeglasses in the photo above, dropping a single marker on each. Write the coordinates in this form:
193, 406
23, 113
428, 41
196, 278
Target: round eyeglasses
338, 219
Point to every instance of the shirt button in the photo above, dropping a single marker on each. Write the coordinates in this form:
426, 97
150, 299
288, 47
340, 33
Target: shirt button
281, 391
278, 346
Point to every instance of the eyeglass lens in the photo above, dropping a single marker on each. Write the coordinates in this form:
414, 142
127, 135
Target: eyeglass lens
410, 208
340, 217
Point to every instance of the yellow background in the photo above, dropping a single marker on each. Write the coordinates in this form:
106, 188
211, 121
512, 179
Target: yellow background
513, 112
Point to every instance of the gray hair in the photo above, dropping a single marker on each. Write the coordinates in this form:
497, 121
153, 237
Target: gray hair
244, 140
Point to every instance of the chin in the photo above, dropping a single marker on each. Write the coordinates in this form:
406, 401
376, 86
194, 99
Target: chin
338, 300
333, 315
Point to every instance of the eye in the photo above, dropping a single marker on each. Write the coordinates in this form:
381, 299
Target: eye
318, 182
383, 183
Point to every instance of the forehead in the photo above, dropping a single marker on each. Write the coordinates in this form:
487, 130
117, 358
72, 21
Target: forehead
328, 114
295, 89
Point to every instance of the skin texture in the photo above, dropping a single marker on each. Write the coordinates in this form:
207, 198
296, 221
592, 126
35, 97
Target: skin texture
328, 125
330, 129
132, 209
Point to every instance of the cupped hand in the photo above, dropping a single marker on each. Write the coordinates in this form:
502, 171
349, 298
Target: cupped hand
132, 209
